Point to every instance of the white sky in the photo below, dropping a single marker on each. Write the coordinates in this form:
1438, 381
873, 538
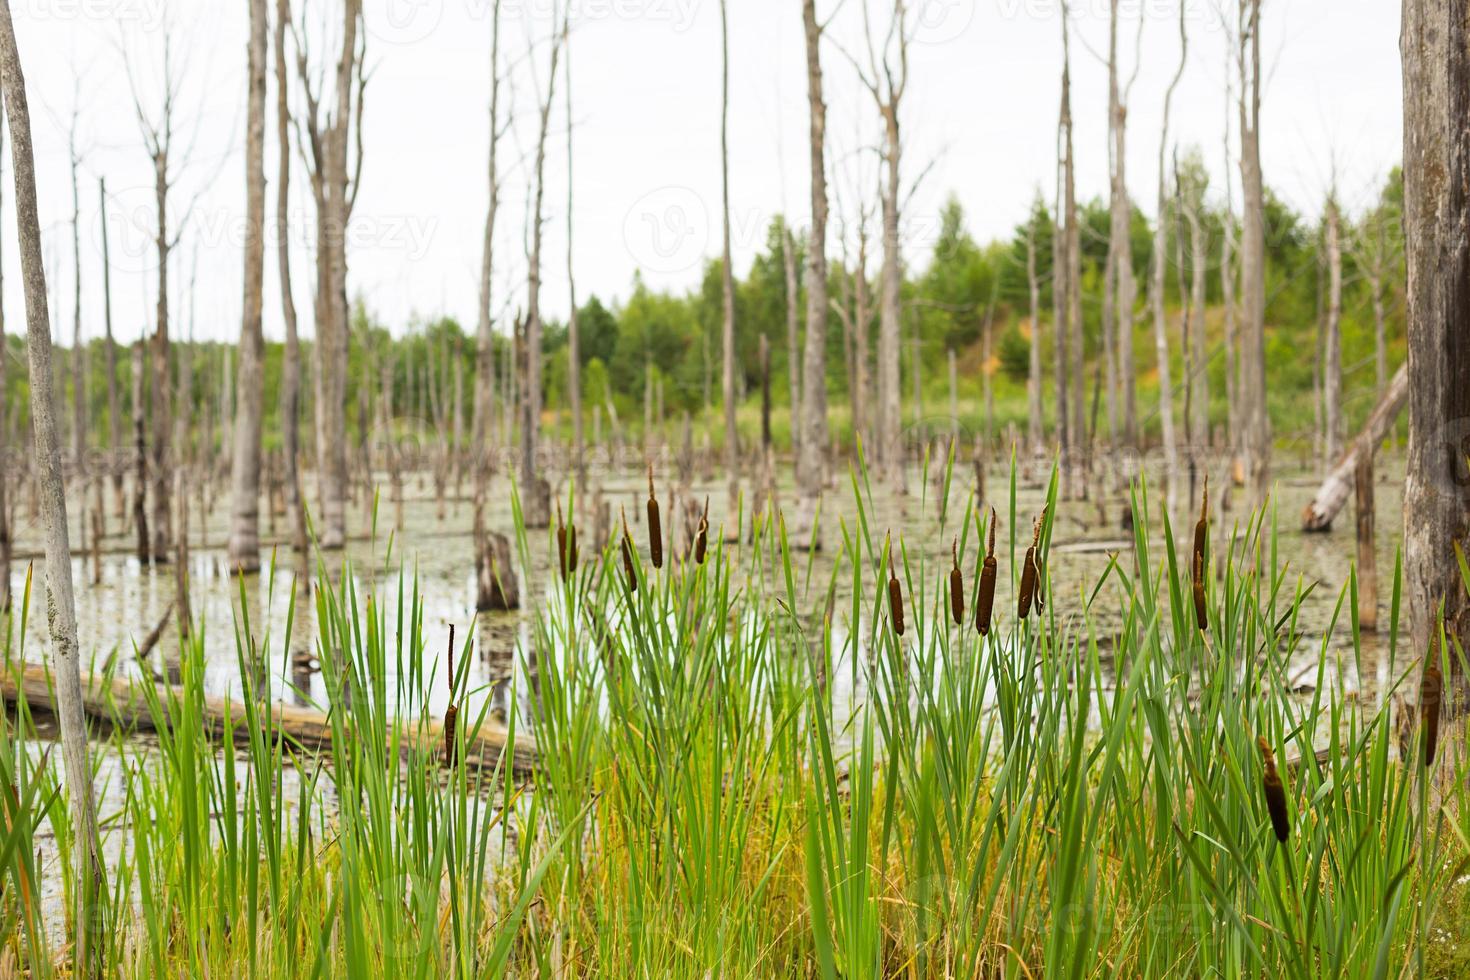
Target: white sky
980, 115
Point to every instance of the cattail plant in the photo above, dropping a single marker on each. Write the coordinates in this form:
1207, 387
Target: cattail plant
655, 528
701, 535
986, 599
1274, 792
1201, 530
1431, 692
451, 713
566, 544
895, 594
1031, 574
956, 586
628, 554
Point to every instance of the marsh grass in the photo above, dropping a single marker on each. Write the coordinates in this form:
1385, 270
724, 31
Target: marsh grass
1040, 798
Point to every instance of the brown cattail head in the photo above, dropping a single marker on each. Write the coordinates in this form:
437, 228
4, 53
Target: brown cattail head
986, 600
956, 587
895, 596
1028, 585
1202, 527
451, 714
1201, 614
1040, 589
1197, 561
628, 566
655, 529
572, 548
701, 536
1274, 792
561, 542
1431, 693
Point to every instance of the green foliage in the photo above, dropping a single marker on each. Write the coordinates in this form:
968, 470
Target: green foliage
1015, 354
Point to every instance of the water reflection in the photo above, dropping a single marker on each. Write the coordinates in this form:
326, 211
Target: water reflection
435, 554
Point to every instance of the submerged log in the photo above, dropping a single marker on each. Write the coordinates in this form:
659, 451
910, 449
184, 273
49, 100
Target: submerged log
122, 701
1334, 492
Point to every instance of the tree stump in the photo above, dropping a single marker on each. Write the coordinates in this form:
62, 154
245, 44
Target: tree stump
536, 503
496, 587
1367, 557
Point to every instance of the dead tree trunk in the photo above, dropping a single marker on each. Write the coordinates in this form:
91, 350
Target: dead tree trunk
1192, 179
78, 348
1072, 256
812, 459
1332, 342
862, 386
1227, 300
1156, 295
1255, 424
291, 362
61, 607
793, 335
1034, 435
1367, 557
483, 423
140, 456
1435, 44
1333, 492
727, 278
114, 411
161, 388
1061, 267
334, 192
574, 353
1120, 242
244, 546
535, 500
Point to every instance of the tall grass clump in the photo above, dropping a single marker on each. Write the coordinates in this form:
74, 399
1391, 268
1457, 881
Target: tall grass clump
752, 763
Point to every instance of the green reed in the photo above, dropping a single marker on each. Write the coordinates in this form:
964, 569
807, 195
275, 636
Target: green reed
743, 768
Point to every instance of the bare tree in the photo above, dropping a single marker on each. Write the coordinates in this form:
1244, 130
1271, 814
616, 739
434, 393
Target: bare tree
1377, 251
1156, 292
244, 546
1255, 424
78, 349
114, 410
1191, 180
574, 355
159, 135
727, 276
1119, 286
1332, 339
793, 331
60, 605
1227, 293
885, 75
1435, 43
291, 361
1033, 295
535, 498
483, 422
813, 450
335, 174
1072, 255
1061, 289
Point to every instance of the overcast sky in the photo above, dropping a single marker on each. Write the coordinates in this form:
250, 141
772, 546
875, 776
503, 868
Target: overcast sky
979, 122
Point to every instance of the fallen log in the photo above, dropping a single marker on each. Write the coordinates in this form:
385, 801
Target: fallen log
122, 701
1333, 494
